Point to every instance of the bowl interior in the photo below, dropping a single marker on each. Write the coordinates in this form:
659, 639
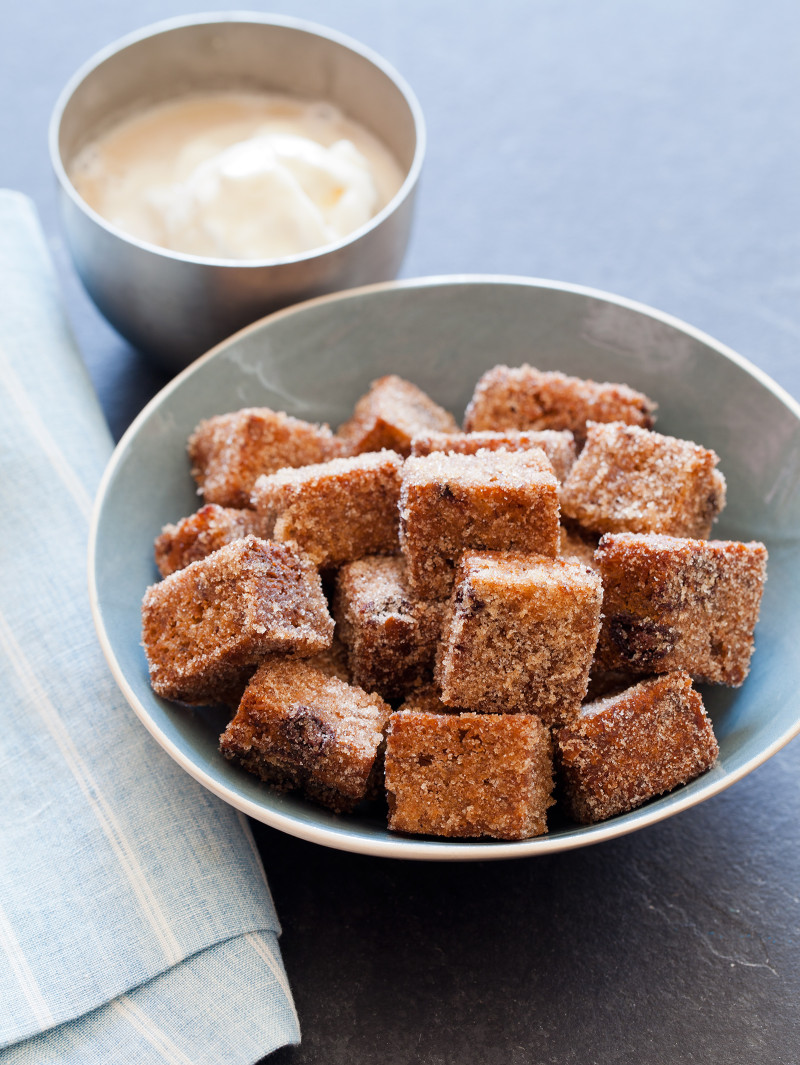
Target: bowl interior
314, 361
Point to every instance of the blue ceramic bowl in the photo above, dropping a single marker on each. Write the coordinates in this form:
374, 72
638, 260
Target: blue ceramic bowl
316, 359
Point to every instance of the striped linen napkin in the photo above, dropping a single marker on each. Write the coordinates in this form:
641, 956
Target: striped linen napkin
135, 921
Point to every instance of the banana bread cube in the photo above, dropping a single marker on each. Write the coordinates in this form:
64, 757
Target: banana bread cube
230, 451
389, 415
300, 729
206, 627
492, 500
628, 479
523, 397
625, 749
466, 774
390, 634
337, 511
673, 603
519, 635
202, 533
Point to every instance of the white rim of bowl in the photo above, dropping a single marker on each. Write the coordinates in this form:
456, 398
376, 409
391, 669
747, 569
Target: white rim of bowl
184, 22
403, 846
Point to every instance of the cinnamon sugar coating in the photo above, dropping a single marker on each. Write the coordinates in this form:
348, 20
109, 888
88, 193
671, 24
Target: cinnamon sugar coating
674, 603
336, 511
492, 500
230, 451
390, 634
628, 479
206, 627
558, 445
332, 661
623, 750
523, 397
520, 634
389, 415
202, 533
578, 545
299, 729
467, 774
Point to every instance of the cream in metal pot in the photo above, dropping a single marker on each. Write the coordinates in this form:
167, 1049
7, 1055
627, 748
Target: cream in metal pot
234, 175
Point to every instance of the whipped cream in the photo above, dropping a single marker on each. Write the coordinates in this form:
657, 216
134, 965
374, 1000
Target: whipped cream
237, 176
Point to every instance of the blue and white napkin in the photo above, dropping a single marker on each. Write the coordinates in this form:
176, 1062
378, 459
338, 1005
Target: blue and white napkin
136, 925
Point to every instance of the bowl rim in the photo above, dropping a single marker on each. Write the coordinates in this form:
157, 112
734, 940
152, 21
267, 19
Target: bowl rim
403, 846
180, 22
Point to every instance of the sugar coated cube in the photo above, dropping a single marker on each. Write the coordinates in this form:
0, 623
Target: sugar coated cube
526, 398
625, 749
337, 511
520, 634
467, 774
206, 627
674, 603
202, 533
389, 415
390, 634
300, 729
230, 451
628, 479
493, 500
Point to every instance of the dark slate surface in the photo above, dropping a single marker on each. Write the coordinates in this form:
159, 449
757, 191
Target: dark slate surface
650, 149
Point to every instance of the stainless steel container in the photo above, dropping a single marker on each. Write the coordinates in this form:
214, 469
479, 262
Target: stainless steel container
176, 306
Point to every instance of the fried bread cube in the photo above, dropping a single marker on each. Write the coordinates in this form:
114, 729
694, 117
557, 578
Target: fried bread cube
300, 729
389, 415
206, 627
492, 500
390, 634
230, 451
673, 603
628, 479
519, 635
337, 511
467, 774
558, 445
625, 749
202, 533
523, 397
